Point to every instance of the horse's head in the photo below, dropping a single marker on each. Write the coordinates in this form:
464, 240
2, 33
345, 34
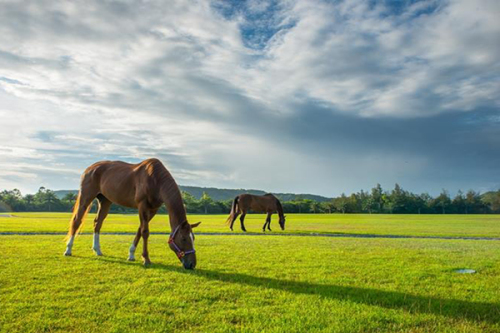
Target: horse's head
181, 241
282, 222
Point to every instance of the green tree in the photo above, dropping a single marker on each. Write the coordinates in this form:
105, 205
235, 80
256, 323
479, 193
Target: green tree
70, 199
399, 200
492, 200
192, 205
458, 203
206, 202
442, 202
327, 206
46, 199
472, 202
29, 201
11, 200
376, 198
315, 206
341, 203
387, 202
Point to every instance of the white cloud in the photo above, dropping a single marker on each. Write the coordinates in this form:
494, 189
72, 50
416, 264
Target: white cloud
90, 80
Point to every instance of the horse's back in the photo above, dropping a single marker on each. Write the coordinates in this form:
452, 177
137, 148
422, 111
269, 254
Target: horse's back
260, 203
123, 170
121, 182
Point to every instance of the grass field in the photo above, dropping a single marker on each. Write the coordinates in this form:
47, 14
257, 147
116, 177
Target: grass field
416, 225
255, 284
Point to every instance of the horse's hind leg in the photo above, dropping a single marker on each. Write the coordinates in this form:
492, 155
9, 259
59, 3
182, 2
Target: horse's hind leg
84, 200
234, 219
102, 212
242, 220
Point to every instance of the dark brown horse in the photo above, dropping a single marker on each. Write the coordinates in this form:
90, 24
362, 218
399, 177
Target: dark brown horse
145, 186
266, 203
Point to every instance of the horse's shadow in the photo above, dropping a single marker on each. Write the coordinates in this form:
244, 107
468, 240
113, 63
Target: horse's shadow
452, 308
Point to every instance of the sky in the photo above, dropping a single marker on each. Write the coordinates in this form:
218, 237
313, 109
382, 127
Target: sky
303, 96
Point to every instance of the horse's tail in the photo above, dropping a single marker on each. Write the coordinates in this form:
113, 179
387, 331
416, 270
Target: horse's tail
72, 230
234, 209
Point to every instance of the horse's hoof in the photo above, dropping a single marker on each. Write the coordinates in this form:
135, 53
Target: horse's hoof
147, 263
130, 259
67, 254
98, 253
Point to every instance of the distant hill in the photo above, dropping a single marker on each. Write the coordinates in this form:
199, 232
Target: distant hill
61, 193
490, 197
219, 194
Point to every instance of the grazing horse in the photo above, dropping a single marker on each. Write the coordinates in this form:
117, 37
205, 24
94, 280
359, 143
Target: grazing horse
266, 203
144, 186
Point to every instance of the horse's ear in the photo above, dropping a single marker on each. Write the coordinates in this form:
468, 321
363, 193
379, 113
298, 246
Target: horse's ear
194, 225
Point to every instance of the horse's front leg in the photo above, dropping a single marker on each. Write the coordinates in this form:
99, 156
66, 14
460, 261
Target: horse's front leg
268, 220
265, 223
145, 253
131, 253
145, 215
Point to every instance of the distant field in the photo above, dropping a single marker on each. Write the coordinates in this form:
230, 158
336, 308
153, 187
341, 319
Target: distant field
255, 284
416, 225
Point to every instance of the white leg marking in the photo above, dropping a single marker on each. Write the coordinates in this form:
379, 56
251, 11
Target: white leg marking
131, 253
69, 246
97, 246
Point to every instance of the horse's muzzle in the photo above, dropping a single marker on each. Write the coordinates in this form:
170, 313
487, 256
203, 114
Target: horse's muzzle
188, 264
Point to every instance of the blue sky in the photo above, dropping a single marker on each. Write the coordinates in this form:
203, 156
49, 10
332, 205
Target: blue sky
309, 96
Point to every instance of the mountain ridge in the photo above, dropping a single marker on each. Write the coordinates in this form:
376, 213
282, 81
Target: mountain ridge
222, 194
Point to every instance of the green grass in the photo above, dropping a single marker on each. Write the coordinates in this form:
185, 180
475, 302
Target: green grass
417, 225
251, 284
254, 284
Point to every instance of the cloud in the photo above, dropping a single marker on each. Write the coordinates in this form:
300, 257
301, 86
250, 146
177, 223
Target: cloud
324, 96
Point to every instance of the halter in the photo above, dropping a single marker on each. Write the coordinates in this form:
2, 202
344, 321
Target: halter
178, 251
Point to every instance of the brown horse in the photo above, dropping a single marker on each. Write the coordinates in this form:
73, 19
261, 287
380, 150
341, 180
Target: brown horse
145, 186
266, 203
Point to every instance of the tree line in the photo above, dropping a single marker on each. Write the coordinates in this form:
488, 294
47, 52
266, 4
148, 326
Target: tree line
375, 201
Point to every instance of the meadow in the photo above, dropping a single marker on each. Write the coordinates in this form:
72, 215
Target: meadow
484, 225
252, 283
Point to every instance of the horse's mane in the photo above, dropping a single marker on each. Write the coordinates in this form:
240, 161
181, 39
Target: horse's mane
169, 191
279, 208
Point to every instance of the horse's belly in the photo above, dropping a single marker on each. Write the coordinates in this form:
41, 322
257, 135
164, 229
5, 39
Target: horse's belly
120, 201
120, 192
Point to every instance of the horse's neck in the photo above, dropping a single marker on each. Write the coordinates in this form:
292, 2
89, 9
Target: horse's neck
172, 198
279, 209
176, 217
